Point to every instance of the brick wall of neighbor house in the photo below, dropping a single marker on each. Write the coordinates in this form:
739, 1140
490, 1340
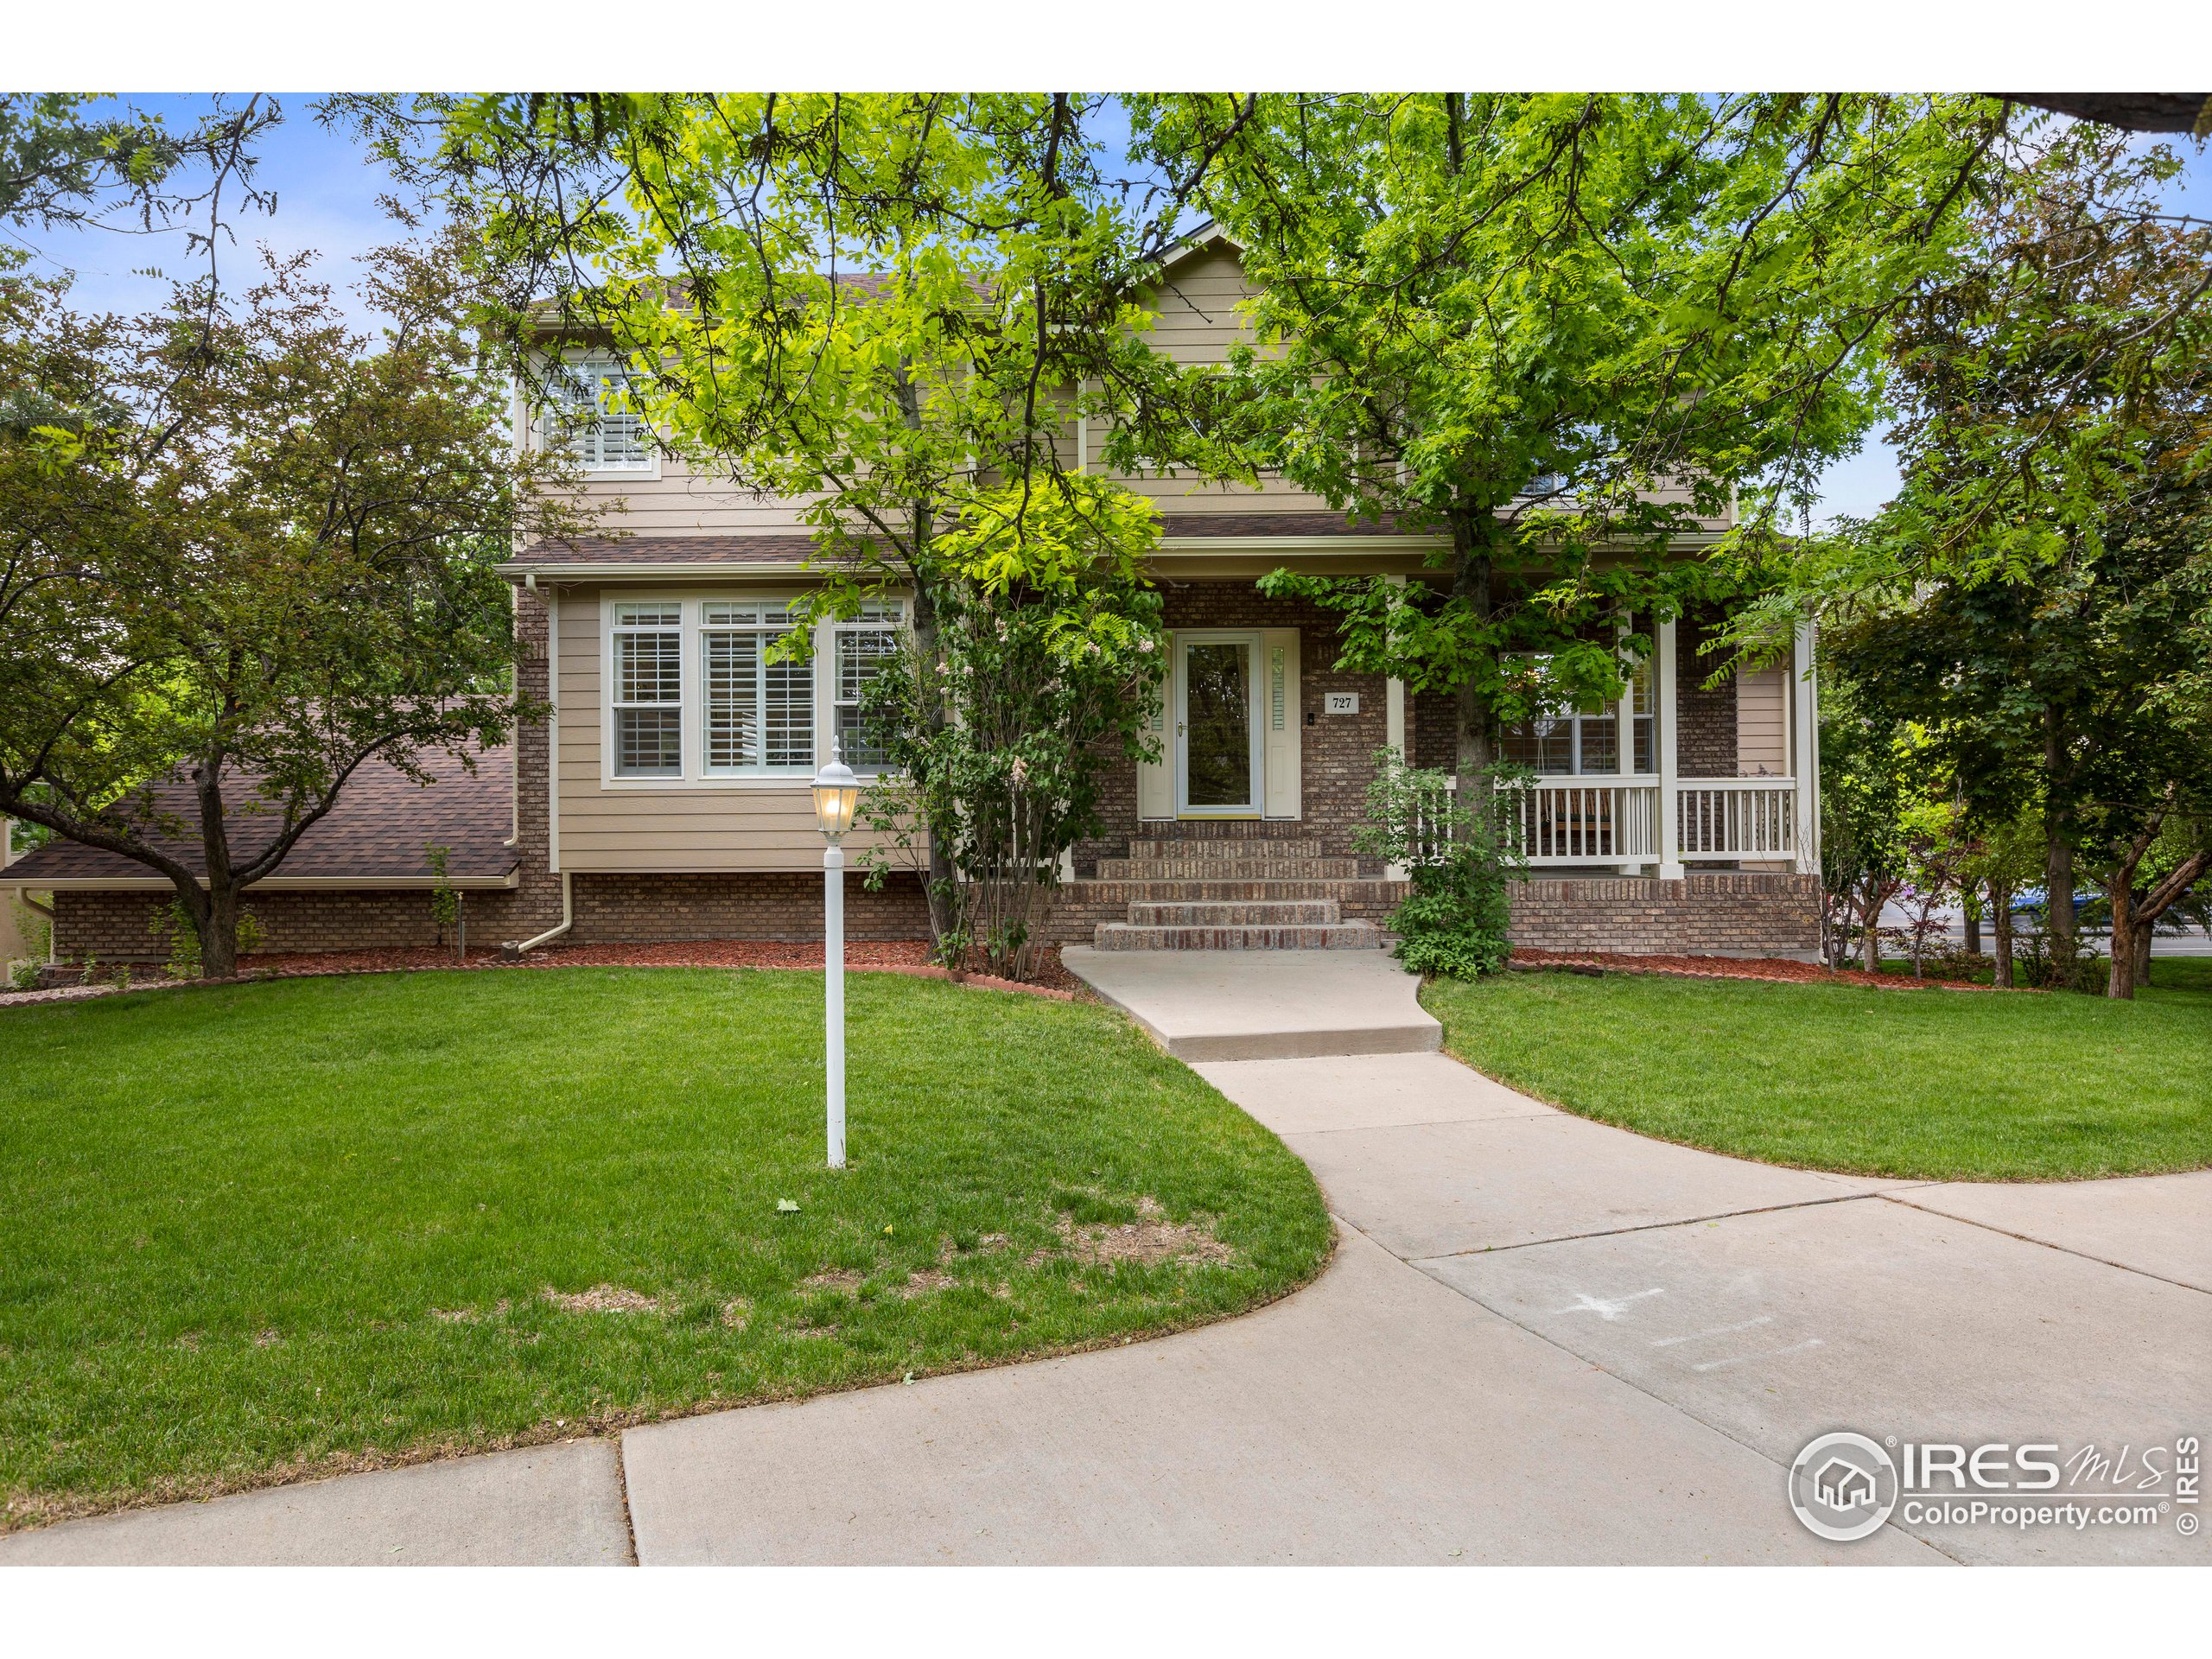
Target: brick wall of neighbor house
1719, 915
632, 909
1337, 757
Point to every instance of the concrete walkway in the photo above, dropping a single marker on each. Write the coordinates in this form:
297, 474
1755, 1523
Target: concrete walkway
1542, 1340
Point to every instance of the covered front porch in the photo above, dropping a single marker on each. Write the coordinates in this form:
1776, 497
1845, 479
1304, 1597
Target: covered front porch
1242, 833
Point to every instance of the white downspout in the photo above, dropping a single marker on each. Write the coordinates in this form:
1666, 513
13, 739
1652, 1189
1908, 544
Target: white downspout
567, 920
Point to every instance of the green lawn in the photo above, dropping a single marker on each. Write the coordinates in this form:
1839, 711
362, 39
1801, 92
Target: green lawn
295, 1227
1964, 1085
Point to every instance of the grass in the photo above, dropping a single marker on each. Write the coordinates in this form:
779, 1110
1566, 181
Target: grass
1935, 1084
287, 1228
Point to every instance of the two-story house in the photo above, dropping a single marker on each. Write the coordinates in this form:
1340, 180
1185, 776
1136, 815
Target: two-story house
666, 798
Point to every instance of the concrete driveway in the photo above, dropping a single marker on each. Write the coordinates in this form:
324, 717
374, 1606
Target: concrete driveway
1542, 1340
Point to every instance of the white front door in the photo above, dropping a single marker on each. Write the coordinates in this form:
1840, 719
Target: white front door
1217, 740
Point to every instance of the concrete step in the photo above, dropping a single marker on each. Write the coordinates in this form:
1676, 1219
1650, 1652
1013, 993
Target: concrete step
1340, 936
1218, 912
1228, 847
1262, 1005
1228, 869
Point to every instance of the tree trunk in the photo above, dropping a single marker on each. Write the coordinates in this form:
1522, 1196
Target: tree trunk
2120, 982
1970, 920
2141, 965
2058, 841
1870, 939
941, 887
2000, 927
1475, 750
216, 914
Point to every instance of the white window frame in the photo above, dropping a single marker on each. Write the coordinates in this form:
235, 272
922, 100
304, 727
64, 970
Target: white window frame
1621, 712
669, 619
693, 604
707, 624
877, 617
547, 424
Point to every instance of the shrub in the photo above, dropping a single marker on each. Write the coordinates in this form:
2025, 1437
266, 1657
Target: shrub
1453, 920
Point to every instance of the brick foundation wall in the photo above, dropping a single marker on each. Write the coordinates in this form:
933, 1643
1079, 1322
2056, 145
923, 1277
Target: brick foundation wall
640, 909
117, 926
1725, 915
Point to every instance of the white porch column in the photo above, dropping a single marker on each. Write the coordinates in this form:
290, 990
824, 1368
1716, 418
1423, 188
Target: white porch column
1624, 733
1393, 734
1805, 751
1663, 701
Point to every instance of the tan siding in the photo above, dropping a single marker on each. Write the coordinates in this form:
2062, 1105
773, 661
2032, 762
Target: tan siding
1762, 723
681, 503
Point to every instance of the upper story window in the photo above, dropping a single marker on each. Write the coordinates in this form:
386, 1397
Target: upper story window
863, 646
648, 690
594, 419
759, 714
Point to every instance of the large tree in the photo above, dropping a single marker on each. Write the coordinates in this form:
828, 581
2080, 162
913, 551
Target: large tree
1564, 330
891, 308
2040, 591
248, 549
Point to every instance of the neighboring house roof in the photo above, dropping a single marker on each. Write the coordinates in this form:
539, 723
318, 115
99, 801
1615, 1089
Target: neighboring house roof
376, 836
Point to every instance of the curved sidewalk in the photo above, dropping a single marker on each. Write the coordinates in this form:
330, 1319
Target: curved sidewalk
1542, 1340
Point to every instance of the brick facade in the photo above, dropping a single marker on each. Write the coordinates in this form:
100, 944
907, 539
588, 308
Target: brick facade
1717, 915
1338, 756
1705, 741
118, 926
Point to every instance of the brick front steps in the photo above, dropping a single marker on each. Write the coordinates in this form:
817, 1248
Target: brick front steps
1212, 933
1233, 893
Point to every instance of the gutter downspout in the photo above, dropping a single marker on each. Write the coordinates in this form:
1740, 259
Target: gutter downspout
567, 920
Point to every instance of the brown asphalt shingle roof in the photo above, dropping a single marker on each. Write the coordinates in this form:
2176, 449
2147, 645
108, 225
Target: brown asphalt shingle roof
379, 829
767, 548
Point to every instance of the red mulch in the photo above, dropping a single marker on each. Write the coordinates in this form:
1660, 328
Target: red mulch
1776, 969
910, 956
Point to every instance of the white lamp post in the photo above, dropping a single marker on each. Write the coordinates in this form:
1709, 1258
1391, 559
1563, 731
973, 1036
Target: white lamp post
837, 793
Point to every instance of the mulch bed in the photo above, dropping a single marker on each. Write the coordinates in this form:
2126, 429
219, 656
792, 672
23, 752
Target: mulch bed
1775, 970
910, 956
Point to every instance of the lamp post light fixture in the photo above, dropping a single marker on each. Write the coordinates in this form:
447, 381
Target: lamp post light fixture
837, 793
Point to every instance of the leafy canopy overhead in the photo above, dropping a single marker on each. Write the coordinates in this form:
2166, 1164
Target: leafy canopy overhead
880, 303
1566, 328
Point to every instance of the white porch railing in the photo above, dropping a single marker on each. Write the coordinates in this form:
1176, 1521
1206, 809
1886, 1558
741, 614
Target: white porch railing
1584, 820
1736, 817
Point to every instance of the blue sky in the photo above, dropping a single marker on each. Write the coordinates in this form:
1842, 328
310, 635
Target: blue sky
326, 187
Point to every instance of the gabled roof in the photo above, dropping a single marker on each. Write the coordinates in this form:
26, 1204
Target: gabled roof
1202, 238
375, 837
